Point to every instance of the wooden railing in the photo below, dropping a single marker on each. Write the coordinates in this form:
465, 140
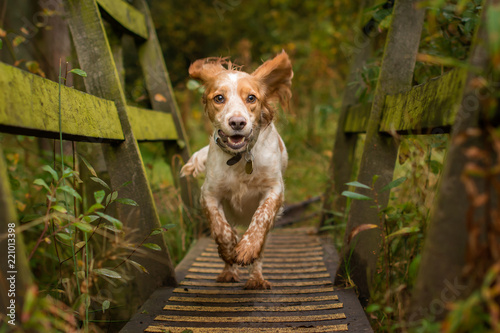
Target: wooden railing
86, 117
435, 107
29, 105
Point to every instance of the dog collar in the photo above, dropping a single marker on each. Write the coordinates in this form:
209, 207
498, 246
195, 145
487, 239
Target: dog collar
238, 156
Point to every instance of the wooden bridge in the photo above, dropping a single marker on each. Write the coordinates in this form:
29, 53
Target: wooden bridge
302, 265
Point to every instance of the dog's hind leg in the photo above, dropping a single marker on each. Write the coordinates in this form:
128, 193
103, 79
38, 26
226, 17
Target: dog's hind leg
256, 280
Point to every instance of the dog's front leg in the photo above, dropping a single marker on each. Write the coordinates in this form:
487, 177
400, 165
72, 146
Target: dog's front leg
250, 247
224, 235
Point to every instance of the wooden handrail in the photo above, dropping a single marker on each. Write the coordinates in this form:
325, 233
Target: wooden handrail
126, 15
151, 125
31, 107
426, 106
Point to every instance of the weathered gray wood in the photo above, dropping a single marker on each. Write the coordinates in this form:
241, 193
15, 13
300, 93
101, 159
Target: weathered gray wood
147, 125
116, 45
126, 15
380, 151
158, 82
440, 278
20, 269
342, 163
123, 161
163, 99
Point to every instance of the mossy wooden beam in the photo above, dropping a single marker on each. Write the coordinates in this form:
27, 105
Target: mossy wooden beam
12, 263
150, 125
380, 151
126, 15
162, 99
29, 105
424, 107
124, 161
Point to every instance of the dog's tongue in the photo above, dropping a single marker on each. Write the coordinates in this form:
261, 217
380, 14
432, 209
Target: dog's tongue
235, 139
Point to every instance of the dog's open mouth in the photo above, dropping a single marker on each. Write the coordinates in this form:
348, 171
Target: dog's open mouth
235, 142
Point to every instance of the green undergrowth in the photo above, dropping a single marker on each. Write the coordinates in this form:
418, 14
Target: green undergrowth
82, 257
168, 202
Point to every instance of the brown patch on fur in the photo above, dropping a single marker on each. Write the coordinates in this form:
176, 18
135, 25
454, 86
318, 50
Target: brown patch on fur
276, 75
246, 252
225, 236
282, 145
205, 69
211, 108
250, 247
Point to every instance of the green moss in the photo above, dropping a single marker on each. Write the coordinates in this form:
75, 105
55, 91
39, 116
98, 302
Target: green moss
31, 103
430, 105
149, 125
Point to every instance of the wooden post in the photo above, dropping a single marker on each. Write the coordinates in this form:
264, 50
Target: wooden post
157, 79
116, 45
123, 161
380, 151
342, 163
440, 278
19, 267
163, 99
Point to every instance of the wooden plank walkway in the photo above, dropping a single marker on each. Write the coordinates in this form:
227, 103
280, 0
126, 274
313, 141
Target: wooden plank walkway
301, 267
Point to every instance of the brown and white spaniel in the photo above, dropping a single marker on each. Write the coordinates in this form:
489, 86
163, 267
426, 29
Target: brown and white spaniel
245, 160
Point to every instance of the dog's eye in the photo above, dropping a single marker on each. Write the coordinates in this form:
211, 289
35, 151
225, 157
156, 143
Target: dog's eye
219, 99
251, 99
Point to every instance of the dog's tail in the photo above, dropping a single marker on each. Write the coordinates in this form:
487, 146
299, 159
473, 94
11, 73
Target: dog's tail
196, 163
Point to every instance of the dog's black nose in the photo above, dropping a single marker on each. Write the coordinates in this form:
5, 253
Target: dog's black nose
237, 123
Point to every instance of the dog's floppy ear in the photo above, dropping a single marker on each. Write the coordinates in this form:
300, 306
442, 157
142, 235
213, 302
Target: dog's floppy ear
205, 69
276, 76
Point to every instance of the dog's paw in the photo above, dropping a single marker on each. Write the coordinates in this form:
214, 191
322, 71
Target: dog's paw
246, 253
258, 284
228, 276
